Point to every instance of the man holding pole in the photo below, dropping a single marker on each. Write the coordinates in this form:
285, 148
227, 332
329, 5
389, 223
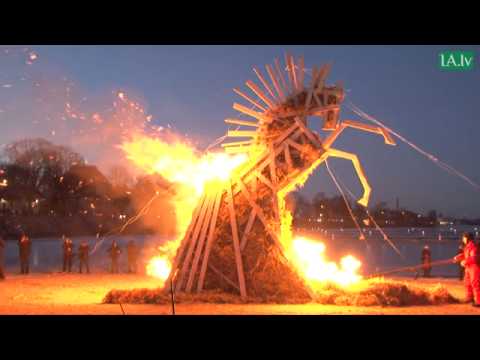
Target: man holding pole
470, 261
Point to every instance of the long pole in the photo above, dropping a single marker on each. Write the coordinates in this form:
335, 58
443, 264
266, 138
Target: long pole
172, 296
411, 268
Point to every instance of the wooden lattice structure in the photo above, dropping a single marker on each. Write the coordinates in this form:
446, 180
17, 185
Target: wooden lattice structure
234, 240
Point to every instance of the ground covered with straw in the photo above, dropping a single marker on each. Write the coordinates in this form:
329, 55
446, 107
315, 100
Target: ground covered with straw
366, 293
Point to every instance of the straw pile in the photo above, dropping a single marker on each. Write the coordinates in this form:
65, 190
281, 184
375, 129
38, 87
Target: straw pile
369, 293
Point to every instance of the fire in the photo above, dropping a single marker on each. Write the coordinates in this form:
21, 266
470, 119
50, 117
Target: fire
179, 163
309, 258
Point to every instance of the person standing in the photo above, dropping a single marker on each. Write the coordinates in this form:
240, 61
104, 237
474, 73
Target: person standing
461, 269
469, 259
132, 254
114, 252
83, 250
2, 252
24, 245
426, 259
67, 254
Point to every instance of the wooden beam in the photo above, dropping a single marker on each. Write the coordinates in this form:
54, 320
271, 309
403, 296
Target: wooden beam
294, 144
288, 158
265, 180
223, 276
260, 94
201, 242
273, 176
241, 122
210, 239
280, 74
294, 73
290, 74
185, 241
275, 82
265, 84
236, 244
246, 231
312, 88
241, 133
301, 73
307, 132
237, 143
191, 247
248, 98
252, 113
286, 133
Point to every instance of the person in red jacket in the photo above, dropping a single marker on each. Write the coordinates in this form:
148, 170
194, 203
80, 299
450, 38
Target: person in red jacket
470, 261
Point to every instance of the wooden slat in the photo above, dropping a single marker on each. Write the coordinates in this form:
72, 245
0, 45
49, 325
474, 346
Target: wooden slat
236, 244
241, 122
264, 83
185, 240
288, 158
312, 88
223, 276
252, 113
249, 99
237, 143
280, 74
191, 247
210, 239
307, 132
267, 182
201, 242
260, 94
275, 82
290, 73
301, 73
246, 231
295, 145
294, 73
286, 133
259, 213
273, 176
241, 133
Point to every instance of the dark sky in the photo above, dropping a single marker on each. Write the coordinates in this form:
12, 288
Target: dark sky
190, 87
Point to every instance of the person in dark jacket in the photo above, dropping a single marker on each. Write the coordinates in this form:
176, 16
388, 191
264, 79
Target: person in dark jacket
67, 254
2, 252
461, 269
83, 250
114, 252
24, 245
426, 259
132, 254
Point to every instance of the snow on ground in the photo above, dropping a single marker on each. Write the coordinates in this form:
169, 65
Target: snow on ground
58, 293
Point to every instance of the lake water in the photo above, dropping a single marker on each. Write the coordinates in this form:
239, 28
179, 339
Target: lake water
375, 253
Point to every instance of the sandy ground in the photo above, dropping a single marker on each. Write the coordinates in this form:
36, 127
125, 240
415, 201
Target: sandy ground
76, 294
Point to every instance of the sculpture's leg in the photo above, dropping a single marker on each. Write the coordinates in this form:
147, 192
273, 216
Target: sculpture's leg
358, 168
359, 126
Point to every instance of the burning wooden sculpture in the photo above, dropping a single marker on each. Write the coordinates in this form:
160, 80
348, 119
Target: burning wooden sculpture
239, 236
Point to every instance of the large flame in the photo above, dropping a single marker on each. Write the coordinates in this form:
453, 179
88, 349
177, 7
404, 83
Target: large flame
179, 163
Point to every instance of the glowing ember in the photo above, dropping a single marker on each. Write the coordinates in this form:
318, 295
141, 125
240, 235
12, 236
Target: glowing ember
309, 258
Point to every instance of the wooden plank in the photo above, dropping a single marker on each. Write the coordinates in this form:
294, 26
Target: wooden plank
236, 244
288, 158
252, 113
307, 132
295, 145
286, 133
241, 122
273, 176
265, 84
185, 240
280, 74
246, 231
259, 213
260, 94
223, 276
249, 99
201, 241
275, 82
293, 72
237, 143
301, 73
193, 242
241, 133
210, 239
312, 88
265, 180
